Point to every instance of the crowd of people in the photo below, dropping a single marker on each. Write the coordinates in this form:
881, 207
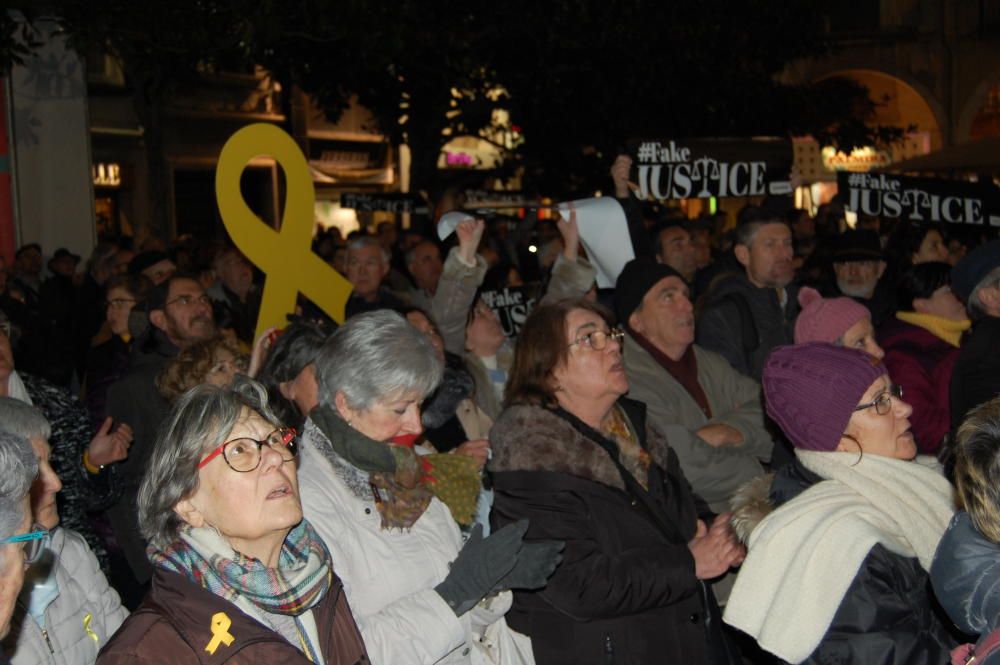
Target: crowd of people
772, 442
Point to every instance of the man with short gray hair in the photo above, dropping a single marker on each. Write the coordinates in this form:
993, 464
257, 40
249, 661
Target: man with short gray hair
976, 376
19, 470
367, 266
747, 314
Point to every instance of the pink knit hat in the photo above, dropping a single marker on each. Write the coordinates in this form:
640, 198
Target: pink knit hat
812, 389
825, 319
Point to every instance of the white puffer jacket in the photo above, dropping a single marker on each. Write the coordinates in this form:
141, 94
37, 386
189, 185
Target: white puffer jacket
390, 575
78, 622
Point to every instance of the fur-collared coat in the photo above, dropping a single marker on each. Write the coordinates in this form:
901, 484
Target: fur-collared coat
625, 591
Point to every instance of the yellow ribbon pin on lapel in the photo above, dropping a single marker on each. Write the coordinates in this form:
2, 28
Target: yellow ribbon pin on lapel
88, 618
220, 632
285, 256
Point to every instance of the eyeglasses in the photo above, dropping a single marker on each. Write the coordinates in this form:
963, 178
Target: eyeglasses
599, 339
883, 403
119, 303
187, 300
35, 542
244, 454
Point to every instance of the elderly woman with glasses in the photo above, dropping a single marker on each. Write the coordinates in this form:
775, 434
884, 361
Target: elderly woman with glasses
65, 583
581, 462
18, 543
838, 571
389, 517
239, 575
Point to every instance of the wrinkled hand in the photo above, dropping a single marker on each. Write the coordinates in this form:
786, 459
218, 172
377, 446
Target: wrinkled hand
477, 449
480, 565
469, 233
720, 434
107, 447
715, 550
535, 564
619, 174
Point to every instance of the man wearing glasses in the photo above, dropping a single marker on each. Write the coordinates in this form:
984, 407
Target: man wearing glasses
180, 314
19, 470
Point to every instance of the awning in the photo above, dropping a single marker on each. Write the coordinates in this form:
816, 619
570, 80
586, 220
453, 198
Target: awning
975, 156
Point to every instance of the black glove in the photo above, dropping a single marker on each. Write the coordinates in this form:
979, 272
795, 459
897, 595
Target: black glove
480, 566
535, 564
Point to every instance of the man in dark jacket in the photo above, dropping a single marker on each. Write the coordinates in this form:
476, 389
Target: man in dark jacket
860, 269
747, 314
976, 377
180, 314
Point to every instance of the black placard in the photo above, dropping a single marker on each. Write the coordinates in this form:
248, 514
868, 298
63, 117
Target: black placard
920, 199
388, 202
512, 304
702, 168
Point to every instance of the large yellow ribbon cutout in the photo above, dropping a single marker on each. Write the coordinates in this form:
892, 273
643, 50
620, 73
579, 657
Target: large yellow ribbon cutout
220, 632
285, 256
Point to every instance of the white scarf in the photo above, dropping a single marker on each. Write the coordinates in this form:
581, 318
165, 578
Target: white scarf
803, 557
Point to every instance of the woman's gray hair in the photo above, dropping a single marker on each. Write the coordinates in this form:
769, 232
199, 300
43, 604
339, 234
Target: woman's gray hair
199, 422
376, 356
20, 467
23, 419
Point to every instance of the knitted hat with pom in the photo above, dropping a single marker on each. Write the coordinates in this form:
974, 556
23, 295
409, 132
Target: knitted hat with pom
825, 319
812, 389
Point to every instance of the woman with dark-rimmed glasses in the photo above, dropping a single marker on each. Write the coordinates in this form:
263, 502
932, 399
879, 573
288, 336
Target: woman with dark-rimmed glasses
239, 575
840, 541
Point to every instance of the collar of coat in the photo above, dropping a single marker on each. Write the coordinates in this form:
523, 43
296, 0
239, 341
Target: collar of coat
532, 438
195, 613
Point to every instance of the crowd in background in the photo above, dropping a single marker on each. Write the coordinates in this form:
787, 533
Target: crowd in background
747, 451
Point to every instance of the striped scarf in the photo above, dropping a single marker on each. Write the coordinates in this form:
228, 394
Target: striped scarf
300, 581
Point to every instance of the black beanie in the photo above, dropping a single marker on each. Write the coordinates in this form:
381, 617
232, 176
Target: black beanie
635, 281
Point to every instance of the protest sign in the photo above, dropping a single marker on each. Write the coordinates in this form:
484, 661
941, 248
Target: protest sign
512, 305
920, 199
285, 256
703, 168
387, 202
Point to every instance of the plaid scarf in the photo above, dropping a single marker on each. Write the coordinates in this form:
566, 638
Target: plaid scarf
300, 581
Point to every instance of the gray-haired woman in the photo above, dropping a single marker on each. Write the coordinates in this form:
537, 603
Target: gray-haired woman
66, 582
418, 594
238, 573
17, 546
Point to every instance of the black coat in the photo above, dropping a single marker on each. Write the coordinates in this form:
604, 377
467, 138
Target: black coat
889, 615
976, 376
133, 399
746, 335
625, 592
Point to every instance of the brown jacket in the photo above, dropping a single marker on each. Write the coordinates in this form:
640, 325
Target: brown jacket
175, 623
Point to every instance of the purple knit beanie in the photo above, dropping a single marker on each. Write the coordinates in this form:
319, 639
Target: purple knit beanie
811, 390
825, 319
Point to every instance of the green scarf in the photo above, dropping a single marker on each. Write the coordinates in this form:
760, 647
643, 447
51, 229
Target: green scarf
402, 481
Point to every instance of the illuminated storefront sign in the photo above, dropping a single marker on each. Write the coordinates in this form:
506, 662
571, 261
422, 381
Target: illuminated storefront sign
106, 175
